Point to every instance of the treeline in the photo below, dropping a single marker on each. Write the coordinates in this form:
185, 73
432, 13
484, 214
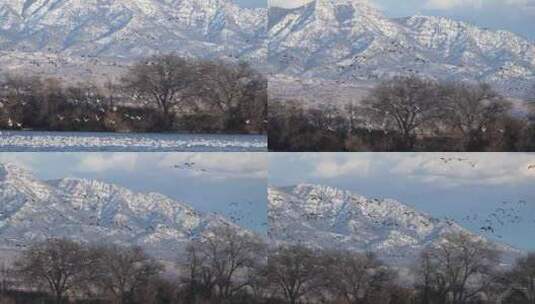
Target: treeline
405, 114
227, 266
161, 94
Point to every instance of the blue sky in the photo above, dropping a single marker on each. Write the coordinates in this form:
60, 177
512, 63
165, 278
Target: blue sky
230, 178
514, 15
252, 3
424, 181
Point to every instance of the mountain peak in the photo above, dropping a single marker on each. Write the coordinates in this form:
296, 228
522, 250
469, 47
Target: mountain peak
353, 3
72, 182
14, 171
344, 11
321, 190
326, 217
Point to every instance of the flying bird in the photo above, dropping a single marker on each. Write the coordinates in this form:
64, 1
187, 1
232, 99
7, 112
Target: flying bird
447, 160
192, 166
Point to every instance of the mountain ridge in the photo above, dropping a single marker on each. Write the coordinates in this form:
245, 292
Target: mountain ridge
94, 211
326, 217
119, 28
352, 41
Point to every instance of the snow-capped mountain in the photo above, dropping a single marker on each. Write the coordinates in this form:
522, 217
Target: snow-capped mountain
131, 28
351, 40
88, 210
345, 41
325, 217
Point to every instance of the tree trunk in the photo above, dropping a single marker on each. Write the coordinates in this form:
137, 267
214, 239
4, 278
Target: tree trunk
58, 297
407, 141
168, 118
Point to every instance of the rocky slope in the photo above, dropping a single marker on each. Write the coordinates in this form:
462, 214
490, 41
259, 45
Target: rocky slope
131, 28
325, 217
88, 210
350, 40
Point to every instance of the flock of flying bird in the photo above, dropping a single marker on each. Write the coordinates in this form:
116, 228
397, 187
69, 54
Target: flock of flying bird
507, 214
242, 214
238, 213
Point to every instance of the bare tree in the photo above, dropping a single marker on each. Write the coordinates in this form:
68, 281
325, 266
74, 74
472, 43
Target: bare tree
293, 271
405, 103
357, 278
523, 276
162, 80
159, 290
530, 96
20, 86
19, 95
60, 265
221, 260
259, 282
255, 104
231, 89
198, 278
112, 92
460, 268
472, 110
430, 283
325, 117
49, 103
353, 112
123, 270
7, 279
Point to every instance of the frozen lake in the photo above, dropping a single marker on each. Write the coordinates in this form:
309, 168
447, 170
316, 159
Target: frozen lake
35, 141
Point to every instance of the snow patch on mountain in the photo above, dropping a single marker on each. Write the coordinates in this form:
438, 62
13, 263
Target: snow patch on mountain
133, 28
94, 211
325, 217
351, 40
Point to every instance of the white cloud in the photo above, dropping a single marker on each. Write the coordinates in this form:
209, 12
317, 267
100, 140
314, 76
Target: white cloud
287, 3
455, 169
335, 168
453, 4
215, 165
449, 4
330, 165
439, 169
99, 162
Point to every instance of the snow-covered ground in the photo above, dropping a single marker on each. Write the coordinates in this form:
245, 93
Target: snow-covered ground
31, 141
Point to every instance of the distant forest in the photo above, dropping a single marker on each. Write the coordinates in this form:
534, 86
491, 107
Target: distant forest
232, 267
164, 93
406, 114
